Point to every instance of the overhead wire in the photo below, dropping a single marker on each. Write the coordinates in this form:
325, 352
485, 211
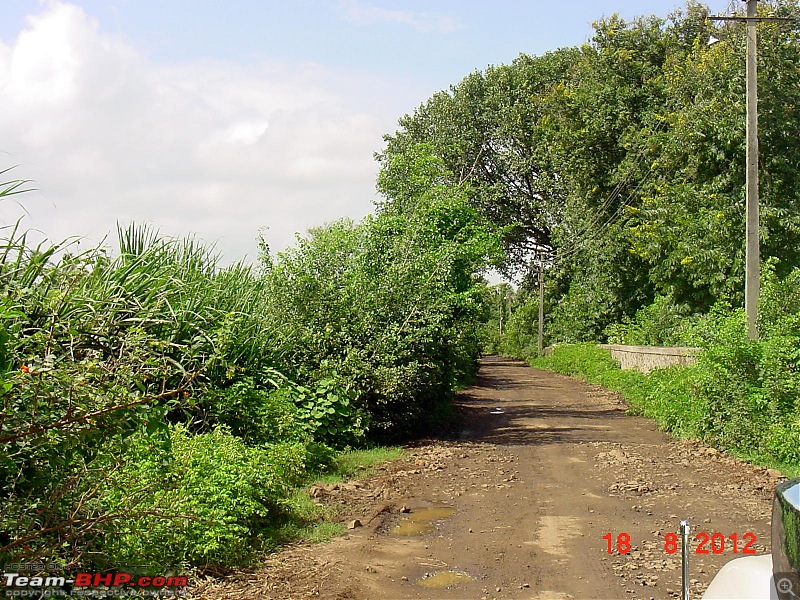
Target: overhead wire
580, 237
600, 228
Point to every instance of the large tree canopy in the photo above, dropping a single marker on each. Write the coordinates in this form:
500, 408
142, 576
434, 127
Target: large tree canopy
623, 159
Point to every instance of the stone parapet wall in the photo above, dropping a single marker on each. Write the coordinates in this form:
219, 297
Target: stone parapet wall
646, 358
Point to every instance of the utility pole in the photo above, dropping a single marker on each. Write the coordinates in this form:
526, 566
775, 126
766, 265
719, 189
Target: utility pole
501, 308
540, 344
543, 259
752, 282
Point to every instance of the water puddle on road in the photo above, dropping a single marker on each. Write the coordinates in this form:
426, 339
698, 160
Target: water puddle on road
435, 513
443, 579
412, 528
420, 520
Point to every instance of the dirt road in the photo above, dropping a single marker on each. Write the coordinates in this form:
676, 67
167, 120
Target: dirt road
517, 504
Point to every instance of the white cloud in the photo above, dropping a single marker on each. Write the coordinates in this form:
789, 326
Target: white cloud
211, 148
425, 22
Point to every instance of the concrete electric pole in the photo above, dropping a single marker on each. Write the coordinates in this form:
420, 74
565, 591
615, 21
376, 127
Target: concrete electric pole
752, 283
540, 337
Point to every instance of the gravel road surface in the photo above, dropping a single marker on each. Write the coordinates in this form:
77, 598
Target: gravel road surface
540, 476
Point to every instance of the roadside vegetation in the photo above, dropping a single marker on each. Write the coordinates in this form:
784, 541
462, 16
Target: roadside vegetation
158, 409
742, 395
617, 169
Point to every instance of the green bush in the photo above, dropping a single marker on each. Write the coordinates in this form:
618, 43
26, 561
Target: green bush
588, 361
671, 400
780, 331
204, 500
728, 379
520, 337
363, 328
388, 308
328, 413
662, 323
256, 415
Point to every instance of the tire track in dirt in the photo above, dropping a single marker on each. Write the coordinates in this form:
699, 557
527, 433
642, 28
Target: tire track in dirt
539, 468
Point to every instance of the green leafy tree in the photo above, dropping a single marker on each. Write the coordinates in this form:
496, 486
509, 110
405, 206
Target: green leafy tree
389, 306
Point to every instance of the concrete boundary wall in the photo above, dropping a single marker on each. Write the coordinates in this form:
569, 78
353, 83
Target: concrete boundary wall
646, 358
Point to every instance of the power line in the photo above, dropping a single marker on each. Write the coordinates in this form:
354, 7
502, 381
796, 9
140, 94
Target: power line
580, 237
577, 246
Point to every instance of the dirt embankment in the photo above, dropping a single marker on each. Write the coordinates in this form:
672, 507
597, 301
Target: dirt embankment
520, 504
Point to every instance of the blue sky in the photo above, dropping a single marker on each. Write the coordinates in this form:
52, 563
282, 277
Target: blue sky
217, 118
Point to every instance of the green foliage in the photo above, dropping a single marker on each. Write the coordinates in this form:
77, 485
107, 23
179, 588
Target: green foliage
96, 349
616, 159
258, 416
207, 500
511, 321
662, 323
728, 377
210, 500
362, 328
780, 366
329, 415
688, 227
585, 360
520, 337
388, 308
672, 400
725, 399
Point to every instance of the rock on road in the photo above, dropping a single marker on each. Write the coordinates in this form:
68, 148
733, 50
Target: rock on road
540, 468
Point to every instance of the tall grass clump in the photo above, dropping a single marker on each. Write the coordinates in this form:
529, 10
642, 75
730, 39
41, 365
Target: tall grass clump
155, 348
159, 409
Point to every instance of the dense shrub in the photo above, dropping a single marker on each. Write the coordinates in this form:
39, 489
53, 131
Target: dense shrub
178, 400
662, 323
388, 307
253, 413
202, 500
521, 334
328, 413
728, 379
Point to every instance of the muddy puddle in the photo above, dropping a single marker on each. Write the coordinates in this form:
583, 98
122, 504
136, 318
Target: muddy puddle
443, 579
420, 520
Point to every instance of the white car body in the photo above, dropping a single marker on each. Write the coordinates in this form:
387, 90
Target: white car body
748, 578
769, 577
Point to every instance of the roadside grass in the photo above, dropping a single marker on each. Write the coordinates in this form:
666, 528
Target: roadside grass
789, 470
357, 464
663, 394
674, 397
310, 521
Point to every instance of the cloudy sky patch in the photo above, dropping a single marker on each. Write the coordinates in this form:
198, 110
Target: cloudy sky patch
219, 118
203, 147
